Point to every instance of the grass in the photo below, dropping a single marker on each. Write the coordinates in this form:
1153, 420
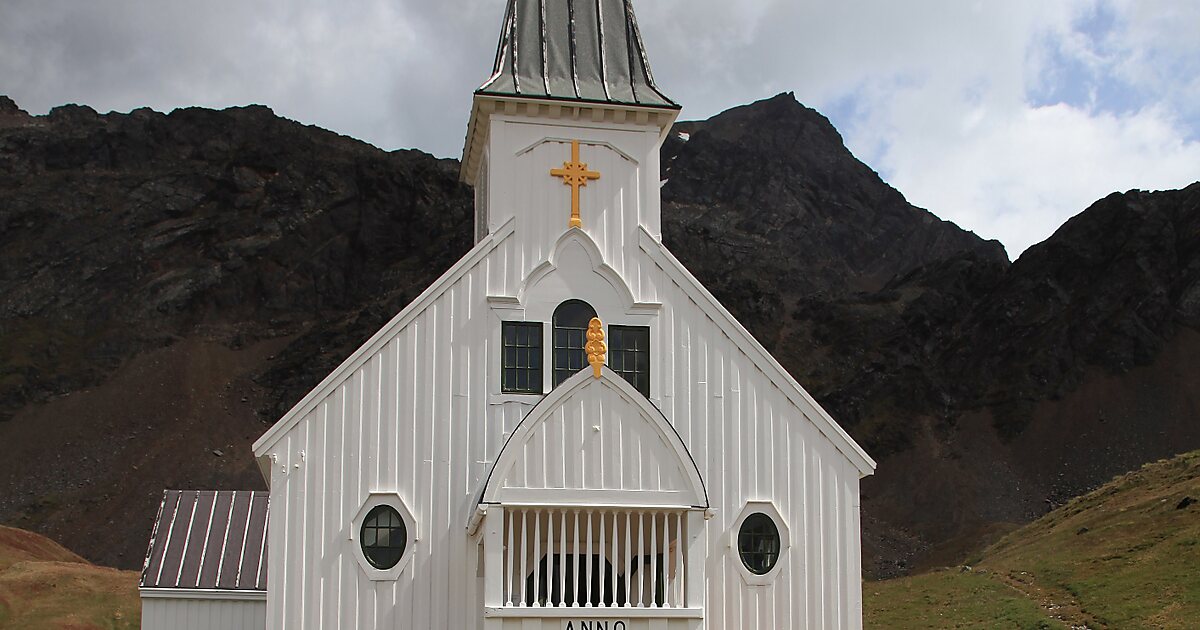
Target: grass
42, 585
1123, 556
949, 598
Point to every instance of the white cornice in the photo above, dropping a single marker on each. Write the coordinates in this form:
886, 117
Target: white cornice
201, 593
551, 111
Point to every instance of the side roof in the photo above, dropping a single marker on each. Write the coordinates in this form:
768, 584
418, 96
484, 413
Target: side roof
212, 540
746, 342
577, 50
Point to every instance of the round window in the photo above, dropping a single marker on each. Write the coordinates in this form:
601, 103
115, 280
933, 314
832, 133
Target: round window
758, 543
383, 537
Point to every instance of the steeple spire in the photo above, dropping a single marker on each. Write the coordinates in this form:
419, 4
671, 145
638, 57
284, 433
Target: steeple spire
576, 50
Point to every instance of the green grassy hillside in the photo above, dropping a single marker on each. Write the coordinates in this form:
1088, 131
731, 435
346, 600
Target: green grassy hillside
42, 585
1126, 556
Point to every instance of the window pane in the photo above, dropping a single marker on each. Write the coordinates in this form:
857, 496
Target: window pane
758, 543
629, 355
571, 320
521, 359
383, 537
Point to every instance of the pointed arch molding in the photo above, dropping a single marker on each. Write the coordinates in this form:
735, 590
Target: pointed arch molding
594, 143
595, 441
579, 238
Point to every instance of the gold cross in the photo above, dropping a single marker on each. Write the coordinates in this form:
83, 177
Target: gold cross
574, 174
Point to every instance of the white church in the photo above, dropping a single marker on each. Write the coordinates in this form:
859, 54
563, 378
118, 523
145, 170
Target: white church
565, 431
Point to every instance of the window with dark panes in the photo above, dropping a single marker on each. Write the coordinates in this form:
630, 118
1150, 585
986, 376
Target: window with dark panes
571, 320
383, 537
521, 357
629, 355
758, 543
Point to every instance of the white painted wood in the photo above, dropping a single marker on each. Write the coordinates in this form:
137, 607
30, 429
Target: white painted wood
418, 412
195, 613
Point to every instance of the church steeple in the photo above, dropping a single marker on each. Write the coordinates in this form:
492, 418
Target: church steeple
577, 50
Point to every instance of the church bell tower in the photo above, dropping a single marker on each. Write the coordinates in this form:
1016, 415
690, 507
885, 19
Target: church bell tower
566, 132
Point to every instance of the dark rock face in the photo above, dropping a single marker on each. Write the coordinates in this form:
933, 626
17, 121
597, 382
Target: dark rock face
171, 284
769, 188
124, 232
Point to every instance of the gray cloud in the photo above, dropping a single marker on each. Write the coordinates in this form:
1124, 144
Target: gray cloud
934, 94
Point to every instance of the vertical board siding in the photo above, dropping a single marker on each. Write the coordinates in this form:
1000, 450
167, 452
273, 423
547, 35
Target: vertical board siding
203, 614
421, 418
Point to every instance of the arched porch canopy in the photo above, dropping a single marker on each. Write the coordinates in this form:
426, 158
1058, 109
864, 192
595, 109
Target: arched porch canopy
595, 442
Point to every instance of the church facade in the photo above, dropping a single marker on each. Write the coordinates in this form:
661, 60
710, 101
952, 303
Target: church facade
566, 430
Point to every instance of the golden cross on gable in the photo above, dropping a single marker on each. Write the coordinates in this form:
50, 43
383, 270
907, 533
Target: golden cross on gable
574, 174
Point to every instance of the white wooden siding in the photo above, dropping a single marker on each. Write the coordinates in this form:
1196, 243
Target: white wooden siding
418, 412
203, 614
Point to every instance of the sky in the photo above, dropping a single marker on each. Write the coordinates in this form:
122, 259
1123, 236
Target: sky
1005, 116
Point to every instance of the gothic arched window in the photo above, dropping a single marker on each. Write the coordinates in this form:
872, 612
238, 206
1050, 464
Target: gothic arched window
570, 336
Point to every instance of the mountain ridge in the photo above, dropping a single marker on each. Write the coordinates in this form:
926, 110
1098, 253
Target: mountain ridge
172, 283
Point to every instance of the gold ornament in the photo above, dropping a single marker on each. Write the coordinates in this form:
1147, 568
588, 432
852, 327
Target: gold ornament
595, 347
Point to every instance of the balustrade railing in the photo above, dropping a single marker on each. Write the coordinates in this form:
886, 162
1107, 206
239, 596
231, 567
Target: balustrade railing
594, 557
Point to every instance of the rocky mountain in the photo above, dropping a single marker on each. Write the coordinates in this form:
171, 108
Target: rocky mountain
170, 284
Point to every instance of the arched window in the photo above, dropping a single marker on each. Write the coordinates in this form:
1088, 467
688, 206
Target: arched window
570, 336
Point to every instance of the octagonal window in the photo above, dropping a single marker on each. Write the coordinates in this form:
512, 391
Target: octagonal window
383, 537
759, 543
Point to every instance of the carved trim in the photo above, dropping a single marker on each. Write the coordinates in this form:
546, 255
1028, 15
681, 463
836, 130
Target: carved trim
595, 347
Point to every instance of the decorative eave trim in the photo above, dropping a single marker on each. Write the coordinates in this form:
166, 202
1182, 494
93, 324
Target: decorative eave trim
507, 303
200, 593
373, 345
746, 342
484, 105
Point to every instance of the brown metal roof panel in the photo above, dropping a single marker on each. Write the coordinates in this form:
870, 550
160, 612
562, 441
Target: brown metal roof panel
176, 540
256, 540
154, 550
213, 540
210, 554
196, 538
231, 556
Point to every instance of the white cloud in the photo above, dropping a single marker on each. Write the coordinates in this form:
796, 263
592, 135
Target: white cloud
1017, 174
954, 102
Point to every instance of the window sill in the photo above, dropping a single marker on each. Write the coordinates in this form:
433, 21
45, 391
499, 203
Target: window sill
527, 399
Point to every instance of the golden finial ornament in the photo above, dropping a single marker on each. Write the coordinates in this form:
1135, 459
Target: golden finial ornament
574, 174
595, 347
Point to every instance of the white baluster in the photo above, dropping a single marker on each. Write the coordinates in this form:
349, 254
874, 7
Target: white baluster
613, 562
600, 581
524, 557
562, 561
587, 583
641, 560
578, 561
509, 555
628, 558
654, 550
679, 547
537, 558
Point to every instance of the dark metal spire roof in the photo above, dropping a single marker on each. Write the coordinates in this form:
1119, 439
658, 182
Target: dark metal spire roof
578, 50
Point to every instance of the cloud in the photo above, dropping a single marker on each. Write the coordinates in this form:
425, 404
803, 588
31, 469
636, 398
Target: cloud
1004, 117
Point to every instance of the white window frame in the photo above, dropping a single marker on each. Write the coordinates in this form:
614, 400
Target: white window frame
785, 542
395, 501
